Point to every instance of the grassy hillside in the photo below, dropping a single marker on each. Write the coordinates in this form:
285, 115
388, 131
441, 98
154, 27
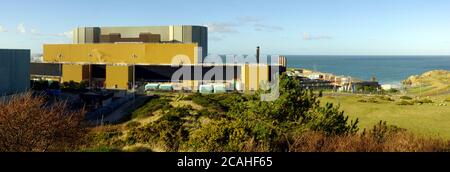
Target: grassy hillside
424, 108
428, 119
430, 83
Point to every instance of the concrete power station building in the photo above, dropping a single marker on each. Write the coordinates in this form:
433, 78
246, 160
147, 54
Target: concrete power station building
14, 70
120, 57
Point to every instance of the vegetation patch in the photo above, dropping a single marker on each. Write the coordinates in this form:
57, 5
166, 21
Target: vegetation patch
152, 106
422, 101
297, 121
386, 98
406, 98
369, 100
393, 91
220, 102
447, 100
405, 103
133, 124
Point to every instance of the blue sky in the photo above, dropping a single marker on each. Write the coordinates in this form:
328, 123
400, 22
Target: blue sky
304, 27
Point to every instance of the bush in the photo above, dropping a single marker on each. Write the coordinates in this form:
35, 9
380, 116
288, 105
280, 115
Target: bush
392, 142
382, 138
369, 100
406, 98
168, 131
139, 149
106, 136
54, 85
253, 124
423, 101
28, 123
382, 130
404, 103
447, 100
40, 85
221, 102
101, 149
386, 98
330, 120
393, 91
72, 86
152, 106
133, 124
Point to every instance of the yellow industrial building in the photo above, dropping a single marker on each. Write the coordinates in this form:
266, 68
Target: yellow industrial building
122, 64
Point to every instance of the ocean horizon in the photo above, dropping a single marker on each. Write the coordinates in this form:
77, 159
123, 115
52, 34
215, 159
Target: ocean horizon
388, 69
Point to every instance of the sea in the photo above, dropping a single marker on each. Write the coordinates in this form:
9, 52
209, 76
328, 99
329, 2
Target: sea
386, 69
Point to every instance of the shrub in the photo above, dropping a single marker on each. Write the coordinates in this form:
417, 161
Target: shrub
423, 101
382, 129
252, 124
54, 85
152, 106
386, 98
72, 86
406, 98
168, 131
133, 124
30, 124
221, 102
139, 149
101, 149
330, 120
404, 102
393, 91
105, 136
369, 100
382, 138
392, 142
40, 85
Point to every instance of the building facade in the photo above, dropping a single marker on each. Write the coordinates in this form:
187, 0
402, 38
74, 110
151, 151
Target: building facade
146, 34
14, 70
123, 57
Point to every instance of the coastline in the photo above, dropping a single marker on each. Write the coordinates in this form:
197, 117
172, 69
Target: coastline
385, 85
391, 70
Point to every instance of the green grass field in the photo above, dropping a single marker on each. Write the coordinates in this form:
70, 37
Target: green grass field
426, 119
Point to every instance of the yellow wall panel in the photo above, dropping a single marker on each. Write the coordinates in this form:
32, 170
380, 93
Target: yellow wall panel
76, 73
118, 77
119, 53
254, 75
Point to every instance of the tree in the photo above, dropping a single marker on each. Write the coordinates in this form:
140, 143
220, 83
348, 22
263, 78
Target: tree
29, 124
269, 126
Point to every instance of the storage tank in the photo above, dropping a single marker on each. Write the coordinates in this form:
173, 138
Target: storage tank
220, 88
204, 89
150, 86
166, 87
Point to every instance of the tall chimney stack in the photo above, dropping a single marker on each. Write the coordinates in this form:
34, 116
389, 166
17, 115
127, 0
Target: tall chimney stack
257, 54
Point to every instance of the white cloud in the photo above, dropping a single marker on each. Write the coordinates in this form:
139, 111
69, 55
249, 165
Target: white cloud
222, 27
309, 37
21, 28
264, 27
2, 29
249, 19
215, 38
232, 27
68, 34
